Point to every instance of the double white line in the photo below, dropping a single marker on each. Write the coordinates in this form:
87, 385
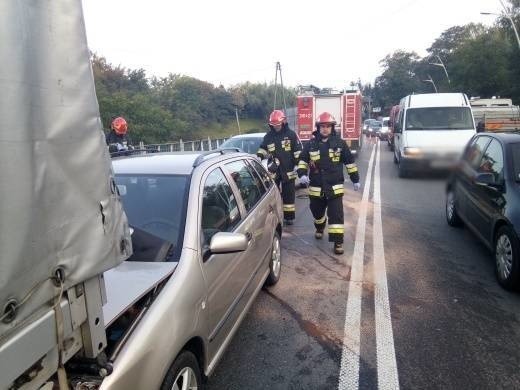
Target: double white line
387, 376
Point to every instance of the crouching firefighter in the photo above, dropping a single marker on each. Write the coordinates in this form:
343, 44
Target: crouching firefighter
282, 149
323, 158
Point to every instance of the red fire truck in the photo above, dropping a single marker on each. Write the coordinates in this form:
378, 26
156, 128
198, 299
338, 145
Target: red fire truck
345, 106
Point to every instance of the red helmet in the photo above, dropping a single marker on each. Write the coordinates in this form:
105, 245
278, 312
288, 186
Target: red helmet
277, 118
325, 117
119, 125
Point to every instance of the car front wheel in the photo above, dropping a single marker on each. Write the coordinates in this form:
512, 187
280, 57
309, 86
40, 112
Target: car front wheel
452, 217
275, 264
507, 267
184, 373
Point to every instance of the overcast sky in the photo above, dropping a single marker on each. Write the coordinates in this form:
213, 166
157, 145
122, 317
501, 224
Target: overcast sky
320, 42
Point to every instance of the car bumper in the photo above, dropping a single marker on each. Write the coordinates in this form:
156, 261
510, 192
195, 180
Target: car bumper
428, 163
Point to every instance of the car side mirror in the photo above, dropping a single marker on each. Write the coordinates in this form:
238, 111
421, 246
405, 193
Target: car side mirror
224, 242
397, 128
487, 179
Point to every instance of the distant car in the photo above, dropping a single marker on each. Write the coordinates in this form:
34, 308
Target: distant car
248, 143
483, 193
366, 125
382, 133
215, 218
373, 128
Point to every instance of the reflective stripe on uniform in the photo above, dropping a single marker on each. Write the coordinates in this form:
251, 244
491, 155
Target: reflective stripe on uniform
289, 207
271, 147
291, 175
263, 152
339, 229
351, 168
303, 165
315, 191
338, 189
315, 155
297, 154
320, 221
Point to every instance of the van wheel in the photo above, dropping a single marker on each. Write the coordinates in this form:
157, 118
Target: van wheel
184, 373
507, 262
401, 171
275, 264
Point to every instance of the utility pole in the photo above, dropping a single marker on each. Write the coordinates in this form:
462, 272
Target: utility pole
238, 122
279, 70
441, 64
430, 80
507, 14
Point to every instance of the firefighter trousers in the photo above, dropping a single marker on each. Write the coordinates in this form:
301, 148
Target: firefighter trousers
334, 209
288, 198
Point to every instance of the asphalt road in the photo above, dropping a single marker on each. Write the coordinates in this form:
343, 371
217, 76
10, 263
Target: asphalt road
442, 323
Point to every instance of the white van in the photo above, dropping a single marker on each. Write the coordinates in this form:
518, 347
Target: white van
431, 131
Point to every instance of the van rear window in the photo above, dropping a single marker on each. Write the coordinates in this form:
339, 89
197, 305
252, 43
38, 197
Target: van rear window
439, 118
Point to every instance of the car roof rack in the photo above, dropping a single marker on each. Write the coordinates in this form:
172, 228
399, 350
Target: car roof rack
201, 158
131, 152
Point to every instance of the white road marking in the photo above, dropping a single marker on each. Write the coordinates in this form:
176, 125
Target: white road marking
349, 369
387, 376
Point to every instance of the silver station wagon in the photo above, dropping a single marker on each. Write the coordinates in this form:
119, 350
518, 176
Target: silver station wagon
206, 231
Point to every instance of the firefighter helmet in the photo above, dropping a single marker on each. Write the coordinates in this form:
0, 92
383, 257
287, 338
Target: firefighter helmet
277, 118
325, 117
119, 125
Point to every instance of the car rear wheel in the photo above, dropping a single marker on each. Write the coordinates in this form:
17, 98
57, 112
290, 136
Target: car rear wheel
184, 374
275, 265
507, 267
452, 217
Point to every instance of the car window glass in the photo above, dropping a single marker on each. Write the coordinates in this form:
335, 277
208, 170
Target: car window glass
246, 183
493, 160
219, 206
263, 174
439, 118
475, 151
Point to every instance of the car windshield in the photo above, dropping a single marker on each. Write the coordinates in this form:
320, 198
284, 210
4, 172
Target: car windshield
375, 125
439, 118
385, 123
248, 145
515, 149
156, 209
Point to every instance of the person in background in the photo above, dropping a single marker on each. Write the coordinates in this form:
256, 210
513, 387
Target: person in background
322, 160
282, 148
118, 139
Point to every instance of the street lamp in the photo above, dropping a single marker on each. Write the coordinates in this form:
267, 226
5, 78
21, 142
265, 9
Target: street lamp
430, 80
441, 64
508, 16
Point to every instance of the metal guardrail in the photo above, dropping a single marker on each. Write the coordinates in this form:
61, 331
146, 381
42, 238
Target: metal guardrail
185, 146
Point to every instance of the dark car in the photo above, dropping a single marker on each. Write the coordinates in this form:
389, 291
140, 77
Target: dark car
374, 128
484, 194
248, 143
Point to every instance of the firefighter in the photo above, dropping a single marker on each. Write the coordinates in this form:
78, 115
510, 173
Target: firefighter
282, 149
118, 139
323, 159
